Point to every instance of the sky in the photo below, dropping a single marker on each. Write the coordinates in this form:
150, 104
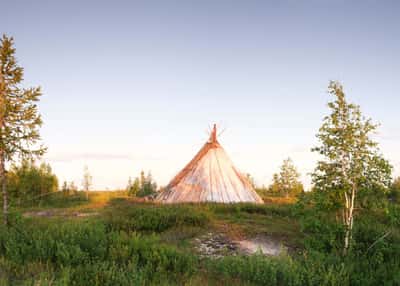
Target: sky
132, 85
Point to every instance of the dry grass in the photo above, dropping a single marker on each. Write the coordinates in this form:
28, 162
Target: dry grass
279, 200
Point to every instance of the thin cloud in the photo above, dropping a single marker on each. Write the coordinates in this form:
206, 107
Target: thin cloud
67, 157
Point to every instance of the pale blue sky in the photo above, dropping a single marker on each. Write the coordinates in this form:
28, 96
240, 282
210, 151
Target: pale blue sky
135, 84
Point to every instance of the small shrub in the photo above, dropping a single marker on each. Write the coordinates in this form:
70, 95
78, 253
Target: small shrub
154, 218
86, 254
264, 209
257, 269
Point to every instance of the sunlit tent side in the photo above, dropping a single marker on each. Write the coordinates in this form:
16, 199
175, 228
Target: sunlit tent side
209, 177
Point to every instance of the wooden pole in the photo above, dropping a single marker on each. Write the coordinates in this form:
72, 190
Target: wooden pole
214, 134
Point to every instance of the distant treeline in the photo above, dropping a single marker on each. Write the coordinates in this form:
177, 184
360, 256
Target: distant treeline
31, 181
142, 186
27, 181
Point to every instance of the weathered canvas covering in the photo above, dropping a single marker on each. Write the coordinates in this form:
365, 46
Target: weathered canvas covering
209, 177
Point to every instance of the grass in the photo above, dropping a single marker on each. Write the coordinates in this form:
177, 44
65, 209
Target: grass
131, 242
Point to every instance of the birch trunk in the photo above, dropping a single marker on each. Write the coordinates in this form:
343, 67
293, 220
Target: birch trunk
349, 218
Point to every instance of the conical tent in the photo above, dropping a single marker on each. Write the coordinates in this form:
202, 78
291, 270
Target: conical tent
209, 177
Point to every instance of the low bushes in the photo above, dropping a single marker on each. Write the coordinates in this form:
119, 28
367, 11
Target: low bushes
312, 268
256, 269
154, 218
60, 244
87, 254
127, 247
53, 200
264, 209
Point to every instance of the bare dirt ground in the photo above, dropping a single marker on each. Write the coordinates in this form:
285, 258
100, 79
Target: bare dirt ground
58, 213
218, 244
263, 245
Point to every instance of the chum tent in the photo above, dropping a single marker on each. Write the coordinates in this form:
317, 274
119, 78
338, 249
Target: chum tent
209, 177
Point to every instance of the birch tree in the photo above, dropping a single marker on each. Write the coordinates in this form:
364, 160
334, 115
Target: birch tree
19, 116
87, 181
352, 162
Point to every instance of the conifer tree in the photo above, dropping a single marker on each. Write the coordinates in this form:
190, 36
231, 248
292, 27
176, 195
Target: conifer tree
19, 116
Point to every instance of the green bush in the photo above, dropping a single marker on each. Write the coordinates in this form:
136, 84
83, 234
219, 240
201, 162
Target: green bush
28, 181
79, 253
313, 268
322, 234
61, 244
124, 248
393, 214
153, 218
256, 269
57, 200
274, 210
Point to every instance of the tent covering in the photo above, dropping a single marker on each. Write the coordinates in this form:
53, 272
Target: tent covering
209, 177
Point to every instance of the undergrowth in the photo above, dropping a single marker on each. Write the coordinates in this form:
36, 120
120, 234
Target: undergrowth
141, 244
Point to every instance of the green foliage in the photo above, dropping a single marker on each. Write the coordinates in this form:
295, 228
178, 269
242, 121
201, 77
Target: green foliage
257, 270
153, 218
19, 117
394, 194
69, 189
62, 244
85, 253
321, 230
287, 182
122, 248
375, 245
373, 198
133, 188
352, 173
393, 215
322, 234
58, 200
28, 181
142, 186
352, 159
103, 273
312, 268
249, 208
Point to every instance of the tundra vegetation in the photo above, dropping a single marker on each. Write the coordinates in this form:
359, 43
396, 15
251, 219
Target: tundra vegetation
142, 186
345, 231
287, 182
